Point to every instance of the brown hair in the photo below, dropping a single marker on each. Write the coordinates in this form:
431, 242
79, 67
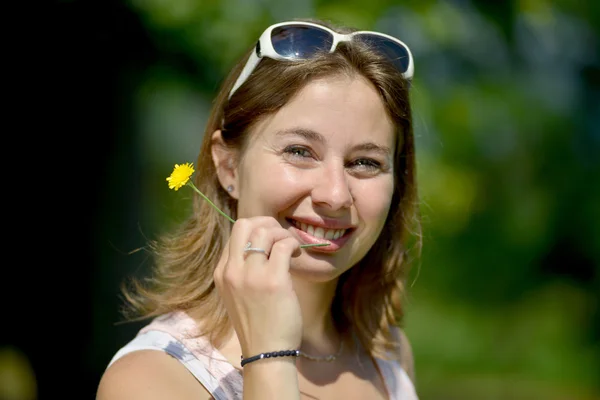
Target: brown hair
368, 300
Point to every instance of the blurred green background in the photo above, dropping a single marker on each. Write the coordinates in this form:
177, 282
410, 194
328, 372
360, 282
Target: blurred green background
505, 301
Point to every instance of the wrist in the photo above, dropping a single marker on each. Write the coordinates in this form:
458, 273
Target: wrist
269, 355
271, 379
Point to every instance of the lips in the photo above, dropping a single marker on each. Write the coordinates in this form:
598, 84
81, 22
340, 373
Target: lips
312, 234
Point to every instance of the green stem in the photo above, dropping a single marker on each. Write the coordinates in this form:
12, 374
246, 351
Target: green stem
189, 183
314, 245
210, 202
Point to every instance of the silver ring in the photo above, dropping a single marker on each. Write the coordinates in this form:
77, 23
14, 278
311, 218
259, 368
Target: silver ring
249, 247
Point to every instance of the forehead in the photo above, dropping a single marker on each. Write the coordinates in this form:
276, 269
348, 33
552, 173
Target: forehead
344, 109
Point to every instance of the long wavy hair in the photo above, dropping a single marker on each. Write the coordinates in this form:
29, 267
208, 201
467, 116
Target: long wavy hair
369, 296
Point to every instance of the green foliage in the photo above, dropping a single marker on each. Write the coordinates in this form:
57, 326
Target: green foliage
506, 302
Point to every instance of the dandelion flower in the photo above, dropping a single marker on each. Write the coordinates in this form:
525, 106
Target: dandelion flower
180, 176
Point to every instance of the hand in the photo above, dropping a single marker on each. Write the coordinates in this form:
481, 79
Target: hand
257, 288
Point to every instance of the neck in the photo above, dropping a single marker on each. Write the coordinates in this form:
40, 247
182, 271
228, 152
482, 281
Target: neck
318, 332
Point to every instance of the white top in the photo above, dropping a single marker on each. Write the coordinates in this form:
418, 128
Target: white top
171, 334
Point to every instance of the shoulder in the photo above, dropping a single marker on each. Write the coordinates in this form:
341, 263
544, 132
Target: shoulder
149, 374
406, 353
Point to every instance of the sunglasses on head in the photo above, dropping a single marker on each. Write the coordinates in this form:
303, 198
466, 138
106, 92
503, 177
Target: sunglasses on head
296, 40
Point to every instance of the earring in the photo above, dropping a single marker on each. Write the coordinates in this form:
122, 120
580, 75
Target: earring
230, 188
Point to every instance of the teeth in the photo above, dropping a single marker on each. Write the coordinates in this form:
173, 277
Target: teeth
320, 232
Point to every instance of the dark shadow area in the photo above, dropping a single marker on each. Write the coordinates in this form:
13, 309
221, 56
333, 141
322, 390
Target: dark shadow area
72, 108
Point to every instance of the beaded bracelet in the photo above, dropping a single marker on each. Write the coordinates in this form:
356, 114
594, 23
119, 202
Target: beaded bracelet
281, 353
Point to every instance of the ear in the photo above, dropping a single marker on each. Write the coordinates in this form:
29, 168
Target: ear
225, 163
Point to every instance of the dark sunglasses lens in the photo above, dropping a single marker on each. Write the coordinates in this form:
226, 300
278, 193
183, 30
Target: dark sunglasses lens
298, 41
394, 51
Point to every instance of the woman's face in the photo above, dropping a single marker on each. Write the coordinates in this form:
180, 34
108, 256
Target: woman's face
323, 167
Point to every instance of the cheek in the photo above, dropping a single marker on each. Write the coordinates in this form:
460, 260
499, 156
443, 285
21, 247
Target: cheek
373, 201
284, 187
271, 188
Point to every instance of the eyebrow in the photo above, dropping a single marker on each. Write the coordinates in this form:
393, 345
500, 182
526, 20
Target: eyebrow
307, 134
315, 136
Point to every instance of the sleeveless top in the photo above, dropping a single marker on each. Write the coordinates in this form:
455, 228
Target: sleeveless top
174, 334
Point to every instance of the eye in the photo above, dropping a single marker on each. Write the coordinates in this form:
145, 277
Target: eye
366, 163
366, 166
297, 152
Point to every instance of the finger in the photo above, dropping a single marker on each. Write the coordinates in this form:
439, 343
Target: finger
282, 252
261, 232
230, 271
261, 240
240, 232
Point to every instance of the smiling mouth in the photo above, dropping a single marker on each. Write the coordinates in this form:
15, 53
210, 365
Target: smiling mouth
318, 231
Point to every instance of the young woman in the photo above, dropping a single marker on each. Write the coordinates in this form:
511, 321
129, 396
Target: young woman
309, 148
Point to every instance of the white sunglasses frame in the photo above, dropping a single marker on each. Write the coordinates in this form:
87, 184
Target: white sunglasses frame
267, 50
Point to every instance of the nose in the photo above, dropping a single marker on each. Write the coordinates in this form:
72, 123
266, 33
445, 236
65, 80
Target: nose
332, 188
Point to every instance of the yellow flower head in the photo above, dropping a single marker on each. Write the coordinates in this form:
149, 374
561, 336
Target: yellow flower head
180, 176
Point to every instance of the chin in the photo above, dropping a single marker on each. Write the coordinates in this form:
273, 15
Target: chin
320, 271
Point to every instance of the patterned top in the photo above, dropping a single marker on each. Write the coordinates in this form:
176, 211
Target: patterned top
175, 334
